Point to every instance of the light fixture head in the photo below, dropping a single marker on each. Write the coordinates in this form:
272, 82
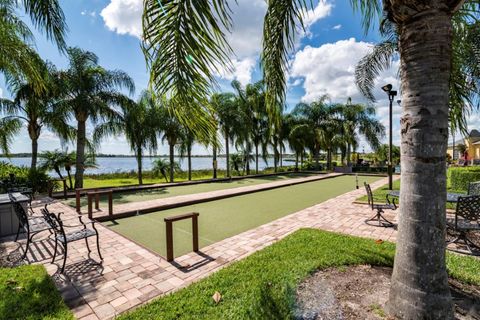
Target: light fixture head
387, 88
399, 102
393, 93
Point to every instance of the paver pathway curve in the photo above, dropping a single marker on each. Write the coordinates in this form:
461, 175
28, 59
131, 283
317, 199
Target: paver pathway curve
131, 275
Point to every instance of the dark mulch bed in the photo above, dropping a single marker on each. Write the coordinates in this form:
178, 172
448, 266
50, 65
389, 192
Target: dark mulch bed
361, 292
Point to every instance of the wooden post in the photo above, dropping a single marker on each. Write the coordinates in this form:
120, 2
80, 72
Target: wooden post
89, 198
169, 241
97, 200
169, 231
110, 203
64, 188
195, 232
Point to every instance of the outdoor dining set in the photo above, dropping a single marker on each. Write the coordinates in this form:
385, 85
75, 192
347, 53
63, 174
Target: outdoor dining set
466, 219
59, 228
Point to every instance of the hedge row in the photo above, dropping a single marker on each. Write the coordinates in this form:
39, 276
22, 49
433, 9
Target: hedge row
459, 178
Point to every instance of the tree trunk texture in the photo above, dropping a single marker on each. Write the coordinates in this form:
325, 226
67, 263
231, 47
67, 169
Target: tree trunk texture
139, 165
419, 288
80, 161
34, 154
34, 133
317, 160
214, 162
172, 162
296, 161
189, 156
227, 152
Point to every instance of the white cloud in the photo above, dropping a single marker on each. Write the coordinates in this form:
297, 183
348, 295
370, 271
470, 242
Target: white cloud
92, 14
337, 27
124, 16
322, 10
329, 69
242, 71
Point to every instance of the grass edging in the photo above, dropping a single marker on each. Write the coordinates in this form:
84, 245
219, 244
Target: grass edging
262, 286
28, 292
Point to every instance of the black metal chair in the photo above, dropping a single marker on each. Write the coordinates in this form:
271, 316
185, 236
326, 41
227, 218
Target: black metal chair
467, 219
64, 238
378, 220
30, 225
474, 188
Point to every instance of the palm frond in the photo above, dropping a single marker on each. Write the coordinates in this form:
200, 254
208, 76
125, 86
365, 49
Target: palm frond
279, 31
9, 127
372, 64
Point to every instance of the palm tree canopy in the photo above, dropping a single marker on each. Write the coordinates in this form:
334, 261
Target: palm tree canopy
18, 59
90, 91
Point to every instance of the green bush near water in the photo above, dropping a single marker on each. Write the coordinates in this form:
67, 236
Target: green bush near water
459, 177
37, 179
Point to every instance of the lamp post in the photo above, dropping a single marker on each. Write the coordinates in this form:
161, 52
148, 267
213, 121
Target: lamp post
391, 95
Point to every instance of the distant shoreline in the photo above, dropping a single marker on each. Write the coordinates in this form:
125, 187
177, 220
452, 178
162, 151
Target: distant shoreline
29, 155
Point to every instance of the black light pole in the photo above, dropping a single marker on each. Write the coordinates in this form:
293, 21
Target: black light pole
391, 95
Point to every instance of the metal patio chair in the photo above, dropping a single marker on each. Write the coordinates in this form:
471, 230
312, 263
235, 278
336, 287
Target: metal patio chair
378, 220
31, 225
467, 219
64, 238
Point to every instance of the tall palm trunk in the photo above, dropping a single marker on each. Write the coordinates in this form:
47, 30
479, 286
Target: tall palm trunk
227, 152
329, 159
139, 165
296, 161
172, 162
189, 159
34, 154
80, 161
214, 162
317, 160
419, 288
256, 158
34, 133
69, 169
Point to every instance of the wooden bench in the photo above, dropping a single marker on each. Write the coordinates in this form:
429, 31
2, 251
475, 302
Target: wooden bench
169, 228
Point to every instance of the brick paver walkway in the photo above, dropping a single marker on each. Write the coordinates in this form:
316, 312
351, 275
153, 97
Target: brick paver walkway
165, 203
131, 275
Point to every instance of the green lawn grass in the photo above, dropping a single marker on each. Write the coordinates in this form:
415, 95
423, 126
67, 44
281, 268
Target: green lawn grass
263, 285
27, 292
224, 218
134, 196
380, 194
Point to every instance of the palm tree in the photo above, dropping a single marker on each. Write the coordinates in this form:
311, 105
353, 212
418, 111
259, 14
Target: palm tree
18, 59
8, 129
89, 93
237, 162
419, 284
464, 81
171, 130
359, 119
164, 168
52, 160
256, 126
35, 109
299, 138
138, 122
322, 119
229, 117
185, 149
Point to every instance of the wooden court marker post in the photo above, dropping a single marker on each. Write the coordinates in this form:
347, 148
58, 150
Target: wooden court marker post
169, 231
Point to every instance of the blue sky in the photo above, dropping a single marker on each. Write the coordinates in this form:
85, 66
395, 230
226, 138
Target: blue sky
323, 61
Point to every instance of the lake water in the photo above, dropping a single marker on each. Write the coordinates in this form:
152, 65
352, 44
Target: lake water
127, 164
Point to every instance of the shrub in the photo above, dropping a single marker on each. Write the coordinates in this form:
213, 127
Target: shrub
37, 179
460, 177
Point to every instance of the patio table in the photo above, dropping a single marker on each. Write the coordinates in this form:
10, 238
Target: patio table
451, 197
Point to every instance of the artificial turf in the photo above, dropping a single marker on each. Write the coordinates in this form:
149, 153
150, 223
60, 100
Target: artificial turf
27, 292
159, 193
225, 218
263, 285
